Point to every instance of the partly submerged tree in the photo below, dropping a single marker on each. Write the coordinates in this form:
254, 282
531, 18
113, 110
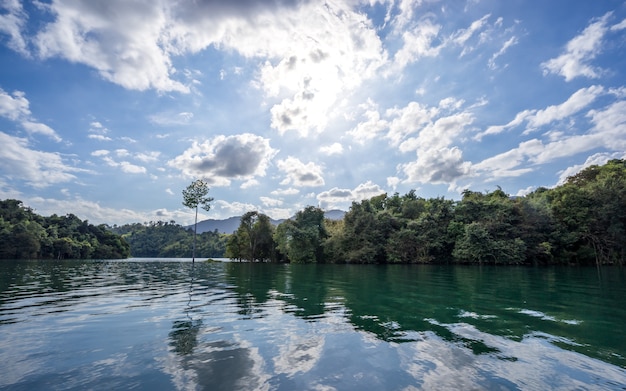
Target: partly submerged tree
193, 196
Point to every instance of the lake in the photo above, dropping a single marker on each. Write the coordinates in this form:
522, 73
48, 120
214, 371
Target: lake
148, 324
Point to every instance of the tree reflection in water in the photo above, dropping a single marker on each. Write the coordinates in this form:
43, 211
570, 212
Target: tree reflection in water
184, 334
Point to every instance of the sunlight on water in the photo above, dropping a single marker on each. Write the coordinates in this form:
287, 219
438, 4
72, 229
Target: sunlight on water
146, 324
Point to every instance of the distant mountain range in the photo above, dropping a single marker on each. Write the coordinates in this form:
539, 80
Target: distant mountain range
230, 225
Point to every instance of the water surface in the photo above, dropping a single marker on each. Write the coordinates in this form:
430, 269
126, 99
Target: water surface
169, 324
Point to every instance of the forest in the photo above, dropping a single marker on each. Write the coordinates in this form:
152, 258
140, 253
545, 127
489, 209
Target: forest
170, 240
26, 235
582, 222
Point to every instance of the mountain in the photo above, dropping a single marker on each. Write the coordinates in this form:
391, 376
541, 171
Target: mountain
230, 225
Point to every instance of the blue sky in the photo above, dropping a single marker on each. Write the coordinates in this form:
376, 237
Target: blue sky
109, 109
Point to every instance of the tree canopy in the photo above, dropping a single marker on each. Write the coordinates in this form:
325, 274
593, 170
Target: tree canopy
582, 221
27, 235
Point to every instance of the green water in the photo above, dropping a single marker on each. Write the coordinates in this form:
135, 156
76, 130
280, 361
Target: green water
170, 324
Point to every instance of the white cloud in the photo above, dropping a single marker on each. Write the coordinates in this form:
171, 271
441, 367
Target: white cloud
127, 43
337, 198
371, 127
598, 159
12, 23
443, 165
146, 157
287, 192
171, 119
250, 183
100, 152
37, 168
417, 43
333, 149
125, 166
462, 36
575, 103
524, 192
608, 131
227, 209
620, 26
130, 168
579, 52
393, 182
223, 158
39, 128
299, 174
408, 120
578, 101
310, 52
16, 108
510, 42
270, 202
99, 137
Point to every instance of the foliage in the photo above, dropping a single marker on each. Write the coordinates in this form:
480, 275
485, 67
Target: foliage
25, 234
582, 222
253, 239
300, 240
170, 240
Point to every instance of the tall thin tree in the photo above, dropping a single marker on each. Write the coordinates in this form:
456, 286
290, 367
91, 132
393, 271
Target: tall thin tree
193, 196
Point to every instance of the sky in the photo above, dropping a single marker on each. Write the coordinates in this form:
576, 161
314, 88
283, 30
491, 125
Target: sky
109, 109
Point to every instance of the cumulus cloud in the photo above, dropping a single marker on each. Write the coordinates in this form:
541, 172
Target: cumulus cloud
99, 137
372, 125
333, 149
579, 52
16, 107
37, 168
337, 198
437, 160
270, 202
126, 42
444, 165
299, 174
417, 43
223, 158
608, 130
125, 166
310, 52
429, 131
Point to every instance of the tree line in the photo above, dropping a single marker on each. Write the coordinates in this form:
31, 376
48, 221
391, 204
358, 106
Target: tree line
582, 221
26, 235
170, 240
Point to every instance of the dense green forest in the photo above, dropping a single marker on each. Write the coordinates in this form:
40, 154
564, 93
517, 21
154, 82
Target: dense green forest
170, 240
582, 221
25, 234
